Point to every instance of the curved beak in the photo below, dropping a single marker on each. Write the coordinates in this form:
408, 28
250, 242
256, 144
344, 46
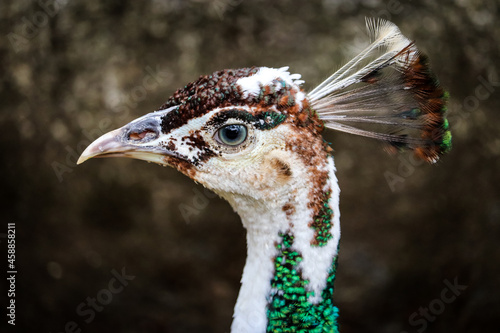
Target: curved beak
140, 139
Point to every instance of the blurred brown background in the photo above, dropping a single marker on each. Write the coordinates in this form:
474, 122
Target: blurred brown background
74, 69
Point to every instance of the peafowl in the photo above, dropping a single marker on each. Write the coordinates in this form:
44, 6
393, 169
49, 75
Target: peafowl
254, 137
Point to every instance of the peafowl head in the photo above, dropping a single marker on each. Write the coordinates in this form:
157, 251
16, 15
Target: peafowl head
254, 135
254, 132
237, 132
233, 116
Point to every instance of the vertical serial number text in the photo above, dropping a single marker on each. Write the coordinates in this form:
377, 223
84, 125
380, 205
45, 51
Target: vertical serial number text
11, 273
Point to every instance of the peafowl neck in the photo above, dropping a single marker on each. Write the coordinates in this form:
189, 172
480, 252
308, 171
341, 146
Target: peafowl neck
287, 282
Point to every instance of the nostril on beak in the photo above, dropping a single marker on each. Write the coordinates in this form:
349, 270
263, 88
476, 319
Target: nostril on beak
137, 136
142, 130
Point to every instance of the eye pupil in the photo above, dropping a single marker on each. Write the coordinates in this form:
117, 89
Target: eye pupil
233, 135
232, 132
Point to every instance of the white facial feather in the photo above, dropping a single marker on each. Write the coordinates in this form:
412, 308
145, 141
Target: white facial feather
266, 76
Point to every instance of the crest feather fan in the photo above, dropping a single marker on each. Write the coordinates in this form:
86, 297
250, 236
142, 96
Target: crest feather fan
387, 92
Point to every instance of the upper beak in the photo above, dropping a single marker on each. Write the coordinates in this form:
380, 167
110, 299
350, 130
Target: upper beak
139, 139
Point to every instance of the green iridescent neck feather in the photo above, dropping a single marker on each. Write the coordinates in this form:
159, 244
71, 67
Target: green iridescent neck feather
322, 222
289, 309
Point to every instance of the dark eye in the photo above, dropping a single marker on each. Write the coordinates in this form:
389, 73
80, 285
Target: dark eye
232, 135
